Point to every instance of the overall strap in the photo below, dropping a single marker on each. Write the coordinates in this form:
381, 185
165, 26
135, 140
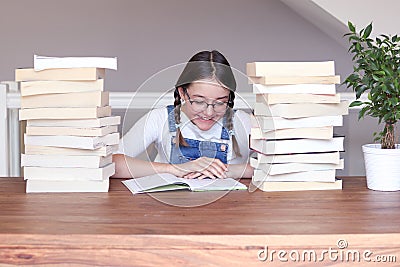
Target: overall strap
171, 118
224, 132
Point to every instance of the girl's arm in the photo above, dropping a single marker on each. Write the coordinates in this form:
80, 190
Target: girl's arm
232, 171
128, 167
240, 171
144, 132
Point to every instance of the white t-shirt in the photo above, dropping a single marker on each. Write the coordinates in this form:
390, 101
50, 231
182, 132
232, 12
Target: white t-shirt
153, 127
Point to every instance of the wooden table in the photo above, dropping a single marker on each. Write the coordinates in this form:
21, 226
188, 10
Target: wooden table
121, 229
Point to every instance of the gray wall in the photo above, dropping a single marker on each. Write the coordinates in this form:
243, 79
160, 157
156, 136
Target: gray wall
148, 36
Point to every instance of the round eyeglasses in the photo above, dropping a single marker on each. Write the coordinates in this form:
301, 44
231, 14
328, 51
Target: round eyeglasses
201, 105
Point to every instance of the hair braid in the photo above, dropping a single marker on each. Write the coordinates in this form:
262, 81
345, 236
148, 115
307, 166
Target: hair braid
179, 140
229, 123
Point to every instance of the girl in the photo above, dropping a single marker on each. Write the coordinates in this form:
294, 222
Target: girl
200, 135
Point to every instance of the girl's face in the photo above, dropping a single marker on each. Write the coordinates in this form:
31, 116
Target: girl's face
205, 103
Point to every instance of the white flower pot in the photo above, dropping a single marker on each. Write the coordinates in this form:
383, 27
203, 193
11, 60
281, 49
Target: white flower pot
382, 167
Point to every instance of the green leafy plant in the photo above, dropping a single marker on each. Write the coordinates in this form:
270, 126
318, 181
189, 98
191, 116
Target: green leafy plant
376, 72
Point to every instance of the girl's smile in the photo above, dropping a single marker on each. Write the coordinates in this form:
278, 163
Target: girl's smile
202, 99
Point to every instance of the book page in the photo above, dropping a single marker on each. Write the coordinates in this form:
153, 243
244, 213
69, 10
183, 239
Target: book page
159, 182
214, 184
151, 183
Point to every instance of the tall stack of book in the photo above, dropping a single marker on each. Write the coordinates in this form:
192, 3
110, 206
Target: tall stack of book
70, 134
292, 131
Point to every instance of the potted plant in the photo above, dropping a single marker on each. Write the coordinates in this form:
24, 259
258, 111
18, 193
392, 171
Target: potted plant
376, 72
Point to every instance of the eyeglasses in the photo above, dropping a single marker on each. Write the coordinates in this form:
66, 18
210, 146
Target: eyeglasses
201, 105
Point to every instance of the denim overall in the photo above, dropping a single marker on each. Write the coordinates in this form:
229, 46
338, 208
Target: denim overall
196, 148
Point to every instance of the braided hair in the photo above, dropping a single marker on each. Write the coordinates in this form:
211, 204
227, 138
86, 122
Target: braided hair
207, 65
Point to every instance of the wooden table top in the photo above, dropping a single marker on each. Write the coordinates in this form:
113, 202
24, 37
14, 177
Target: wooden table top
353, 210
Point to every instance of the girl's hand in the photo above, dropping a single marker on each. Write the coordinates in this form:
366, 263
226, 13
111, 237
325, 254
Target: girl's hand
201, 168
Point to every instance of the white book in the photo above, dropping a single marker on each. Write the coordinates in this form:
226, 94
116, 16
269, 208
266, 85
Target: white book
65, 161
167, 182
66, 74
281, 168
328, 89
64, 113
270, 99
296, 145
301, 110
57, 87
316, 157
49, 150
82, 142
309, 68
307, 176
68, 100
66, 186
98, 122
80, 174
276, 123
297, 186
44, 62
96, 131
310, 133
295, 79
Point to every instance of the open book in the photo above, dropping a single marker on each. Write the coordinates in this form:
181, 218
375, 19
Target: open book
167, 182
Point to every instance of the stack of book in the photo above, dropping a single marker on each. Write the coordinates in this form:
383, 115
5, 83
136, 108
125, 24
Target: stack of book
292, 131
70, 134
